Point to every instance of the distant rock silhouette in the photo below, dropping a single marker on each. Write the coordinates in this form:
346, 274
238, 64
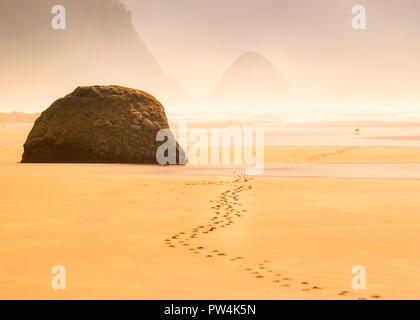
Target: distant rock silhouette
99, 124
252, 80
99, 45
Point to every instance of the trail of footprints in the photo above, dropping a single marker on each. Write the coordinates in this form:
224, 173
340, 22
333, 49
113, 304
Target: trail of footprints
318, 157
227, 210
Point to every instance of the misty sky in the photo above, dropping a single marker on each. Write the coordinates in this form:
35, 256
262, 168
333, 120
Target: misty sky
311, 42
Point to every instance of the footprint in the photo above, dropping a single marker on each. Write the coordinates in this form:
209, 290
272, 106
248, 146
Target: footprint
227, 204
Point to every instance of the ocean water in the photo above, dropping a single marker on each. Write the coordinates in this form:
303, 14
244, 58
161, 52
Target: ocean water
306, 113
368, 124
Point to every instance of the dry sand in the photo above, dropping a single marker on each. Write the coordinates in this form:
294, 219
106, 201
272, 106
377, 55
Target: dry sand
127, 232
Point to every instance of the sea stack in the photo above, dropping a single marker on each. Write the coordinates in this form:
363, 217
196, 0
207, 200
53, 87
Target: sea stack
251, 81
98, 124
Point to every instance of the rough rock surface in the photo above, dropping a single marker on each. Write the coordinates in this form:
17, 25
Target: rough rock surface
99, 124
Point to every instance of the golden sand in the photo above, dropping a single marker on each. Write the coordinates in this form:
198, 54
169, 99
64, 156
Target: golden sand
127, 235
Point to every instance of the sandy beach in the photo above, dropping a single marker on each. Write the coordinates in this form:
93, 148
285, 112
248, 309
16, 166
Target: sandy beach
147, 232
209, 150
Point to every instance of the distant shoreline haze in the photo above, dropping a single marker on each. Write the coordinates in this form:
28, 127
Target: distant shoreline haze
18, 117
225, 119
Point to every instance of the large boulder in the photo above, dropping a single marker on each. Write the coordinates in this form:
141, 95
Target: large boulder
99, 124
